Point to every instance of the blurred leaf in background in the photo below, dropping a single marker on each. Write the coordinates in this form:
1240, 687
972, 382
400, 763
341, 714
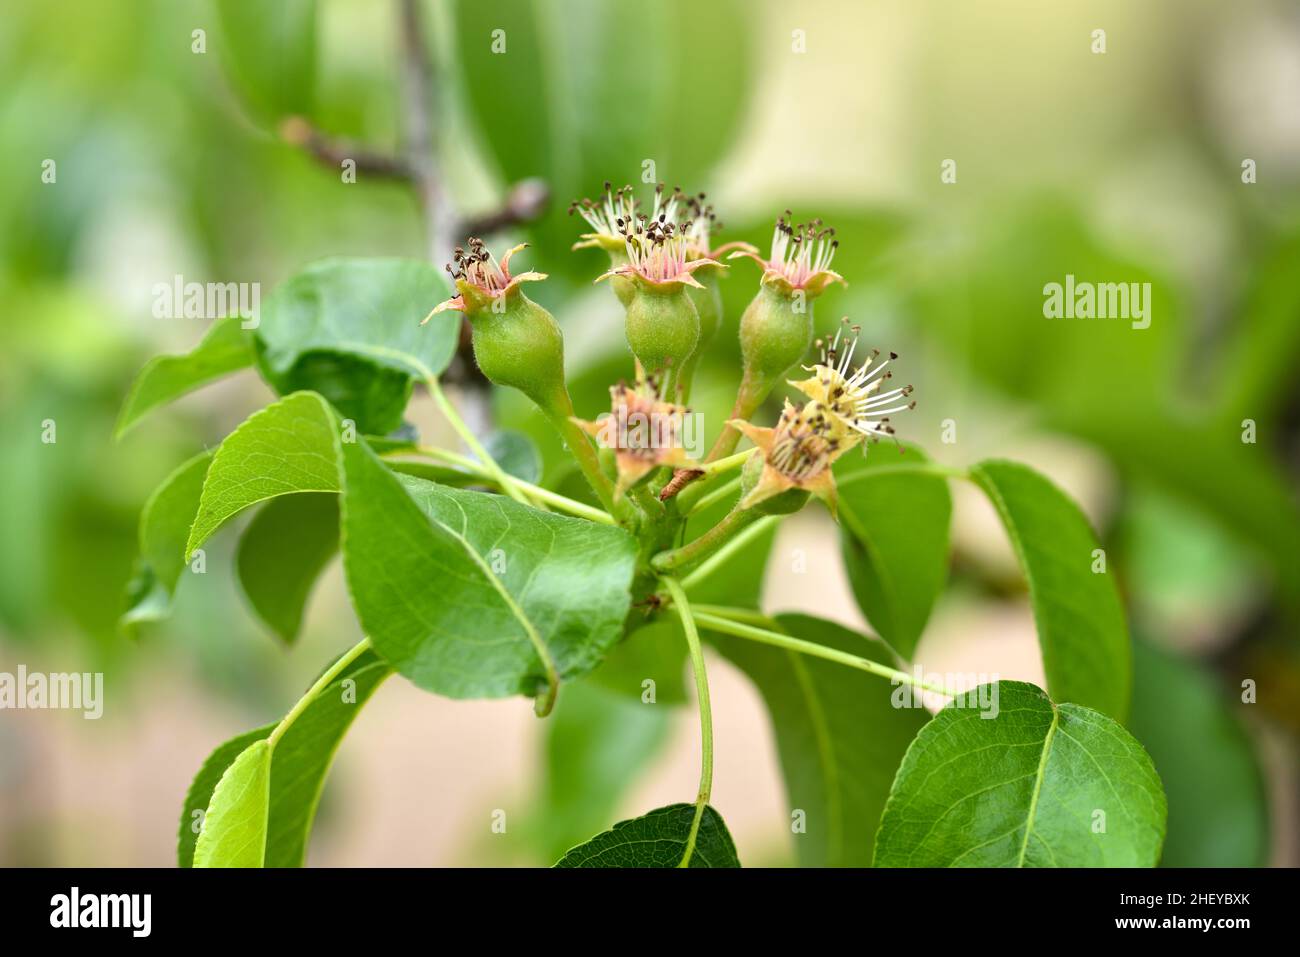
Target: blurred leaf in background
1218, 812
585, 91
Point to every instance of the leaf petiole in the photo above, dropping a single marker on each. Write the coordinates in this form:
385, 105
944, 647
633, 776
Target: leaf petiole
723, 555
712, 497
536, 492
694, 552
323, 682
727, 464
706, 713
471, 441
726, 621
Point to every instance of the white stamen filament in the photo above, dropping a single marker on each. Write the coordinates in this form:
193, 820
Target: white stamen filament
802, 251
855, 396
656, 249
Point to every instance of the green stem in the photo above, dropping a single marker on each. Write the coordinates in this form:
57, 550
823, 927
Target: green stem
737, 520
689, 504
323, 682
750, 616
471, 441
706, 474
723, 555
748, 399
729, 626
588, 461
706, 713
535, 492
726, 464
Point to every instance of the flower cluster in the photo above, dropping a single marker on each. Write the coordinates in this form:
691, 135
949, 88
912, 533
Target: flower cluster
801, 256
644, 431
655, 249
854, 397
480, 280
701, 224
844, 407
609, 216
664, 245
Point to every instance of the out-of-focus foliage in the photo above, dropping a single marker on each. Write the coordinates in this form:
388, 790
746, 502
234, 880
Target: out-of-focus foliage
1217, 810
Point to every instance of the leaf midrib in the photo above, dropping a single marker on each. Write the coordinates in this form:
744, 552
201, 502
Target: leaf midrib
1038, 782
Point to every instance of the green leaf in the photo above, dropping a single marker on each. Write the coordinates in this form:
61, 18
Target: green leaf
1199, 456
839, 735
303, 756
164, 526
658, 840
597, 743
1259, 368
199, 795
685, 121
516, 454
431, 472
234, 828
269, 52
299, 763
456, 588
281, 554
350, 330
1218, 808
1080, 621
291, 446
739, 581
226, 348
1038, 785
656, 652
1206, 464
894, 539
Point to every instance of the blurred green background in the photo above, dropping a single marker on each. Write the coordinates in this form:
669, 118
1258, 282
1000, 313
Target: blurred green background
1122, 166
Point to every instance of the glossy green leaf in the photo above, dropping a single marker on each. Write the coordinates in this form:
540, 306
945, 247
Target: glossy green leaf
597, 745
291, 446
894, 540
233, 833
299, 764
1036, 785
226, 348
269, 53
431, 472
658, 840
164, 527
454, 586
1218, 808
199, 796
1081, 628
350, 330
839, 735
303, 756
281, 554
